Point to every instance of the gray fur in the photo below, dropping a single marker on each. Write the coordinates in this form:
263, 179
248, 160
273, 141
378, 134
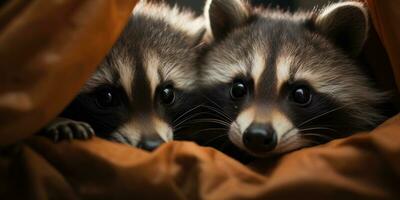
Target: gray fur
308, 44
149, 32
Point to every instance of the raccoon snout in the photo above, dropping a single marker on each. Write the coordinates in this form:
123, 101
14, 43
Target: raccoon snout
260, 138
150, 144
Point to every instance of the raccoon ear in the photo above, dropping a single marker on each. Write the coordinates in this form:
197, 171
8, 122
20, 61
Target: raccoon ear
346, 24
225, 15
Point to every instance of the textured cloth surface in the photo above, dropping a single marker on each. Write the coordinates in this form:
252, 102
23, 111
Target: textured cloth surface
48, 48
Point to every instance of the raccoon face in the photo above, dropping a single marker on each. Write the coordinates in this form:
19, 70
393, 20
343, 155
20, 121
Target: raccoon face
287, 81
144, 80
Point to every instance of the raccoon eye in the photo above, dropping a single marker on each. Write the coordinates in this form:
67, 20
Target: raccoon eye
302, 95
167, 95
238, 90
106, 97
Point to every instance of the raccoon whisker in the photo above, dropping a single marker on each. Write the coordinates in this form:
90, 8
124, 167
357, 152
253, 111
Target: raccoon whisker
201, 121
215, 120
219, 112
194, 122
212, 101
215, 114
293, 143
307, 129
213, 129
188, 118
217, 107
210, 120
235, 125
323, 114
290, 146
195, 115
198, 132
318, 135
319, 128
215, 138
291, 139
186, 113
177, 129
288, 140
311, 142
287, 132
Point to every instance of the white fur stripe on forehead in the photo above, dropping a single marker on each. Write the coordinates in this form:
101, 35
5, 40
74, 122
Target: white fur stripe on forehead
208, 37
224, 70
104, 75
126, 74
155, 67
258, 66
151, 65
283, 65
181, 19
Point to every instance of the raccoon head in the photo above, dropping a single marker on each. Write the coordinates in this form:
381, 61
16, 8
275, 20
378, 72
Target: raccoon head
288, 80
144, 80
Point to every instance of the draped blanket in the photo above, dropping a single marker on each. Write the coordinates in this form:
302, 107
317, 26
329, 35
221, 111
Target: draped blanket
48, 48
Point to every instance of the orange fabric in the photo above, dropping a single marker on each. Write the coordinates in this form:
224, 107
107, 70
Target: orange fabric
47, 50
364, 166
385, 17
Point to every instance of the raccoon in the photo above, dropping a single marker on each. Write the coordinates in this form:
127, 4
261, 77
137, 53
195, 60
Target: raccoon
285, 81
143, 82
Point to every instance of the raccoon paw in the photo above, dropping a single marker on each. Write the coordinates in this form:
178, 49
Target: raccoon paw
66, 129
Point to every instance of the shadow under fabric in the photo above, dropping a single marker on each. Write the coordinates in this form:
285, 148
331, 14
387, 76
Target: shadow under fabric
48, 48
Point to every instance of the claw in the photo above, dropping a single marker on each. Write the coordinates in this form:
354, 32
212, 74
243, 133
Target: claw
68, 129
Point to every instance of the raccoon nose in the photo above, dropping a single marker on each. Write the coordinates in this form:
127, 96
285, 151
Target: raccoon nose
260, 138
150, 144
